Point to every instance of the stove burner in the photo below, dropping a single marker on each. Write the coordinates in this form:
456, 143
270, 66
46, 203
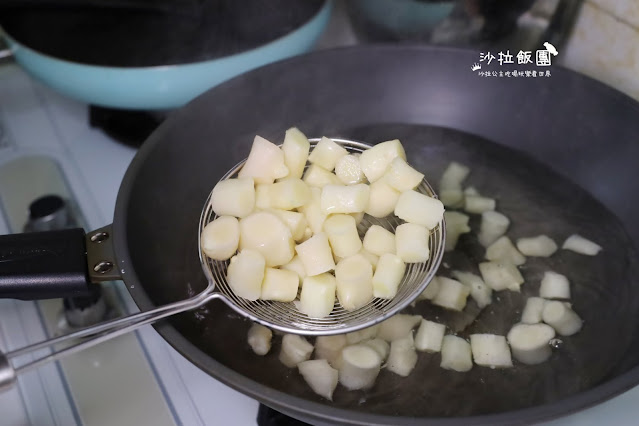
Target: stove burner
128, 127
266, 416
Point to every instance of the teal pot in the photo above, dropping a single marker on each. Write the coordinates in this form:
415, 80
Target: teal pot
158, 87
398, 19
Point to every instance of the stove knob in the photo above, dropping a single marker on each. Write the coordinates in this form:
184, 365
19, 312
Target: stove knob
48, 213
85, 311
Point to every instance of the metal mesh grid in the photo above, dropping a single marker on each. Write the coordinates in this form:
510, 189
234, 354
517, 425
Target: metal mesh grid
285, 317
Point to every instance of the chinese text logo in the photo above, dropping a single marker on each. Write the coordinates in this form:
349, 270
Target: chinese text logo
542, 58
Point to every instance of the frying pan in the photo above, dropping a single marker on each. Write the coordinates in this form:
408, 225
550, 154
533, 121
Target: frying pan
557, 152
136, 55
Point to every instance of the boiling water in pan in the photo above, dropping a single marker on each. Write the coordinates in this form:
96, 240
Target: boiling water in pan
538, 201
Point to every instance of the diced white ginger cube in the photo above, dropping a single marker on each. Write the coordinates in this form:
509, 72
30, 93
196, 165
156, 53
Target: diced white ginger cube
561, 317
380, 346
388, 275
515, 287
478, 204
344, 199
308, 233
233, 197
359, 216
376, 160
493, 225
295, 349
320, 376
289, 194
533, 310
263, 196
500, 276
470, 190
529, 343
296, 265
295, 221
401, 176
280, 285
245, 274
315, 254
430, 336
265, 162
453, 176
453, 198
456, 354
362, 335
348, 170
403, 356
456, 224
372, 258
431, 290
295, 148
354, 276
313, 212
259, 339
451, 295
411, 242
379, 241
326, 153
554, 286
382, 199
318, 295
581, 245
415, 207
319, 177
341, 230
504, 251
397, 326
360, 365
540, 246
221, 237
330, 348
266, 233
479, 291
490, 350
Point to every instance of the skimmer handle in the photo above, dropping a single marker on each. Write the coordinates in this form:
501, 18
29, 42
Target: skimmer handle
94, 335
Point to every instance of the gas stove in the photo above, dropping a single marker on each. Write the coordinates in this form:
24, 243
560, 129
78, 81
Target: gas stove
47, 147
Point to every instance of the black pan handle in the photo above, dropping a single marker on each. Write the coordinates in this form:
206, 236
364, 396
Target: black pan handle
55, 264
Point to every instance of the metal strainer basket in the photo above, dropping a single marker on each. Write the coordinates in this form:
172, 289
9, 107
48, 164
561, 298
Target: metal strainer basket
284, 316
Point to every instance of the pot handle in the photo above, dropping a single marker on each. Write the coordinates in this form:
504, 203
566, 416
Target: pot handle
55, 264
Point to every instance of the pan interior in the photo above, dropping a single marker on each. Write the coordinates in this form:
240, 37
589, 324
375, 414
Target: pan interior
162, 221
